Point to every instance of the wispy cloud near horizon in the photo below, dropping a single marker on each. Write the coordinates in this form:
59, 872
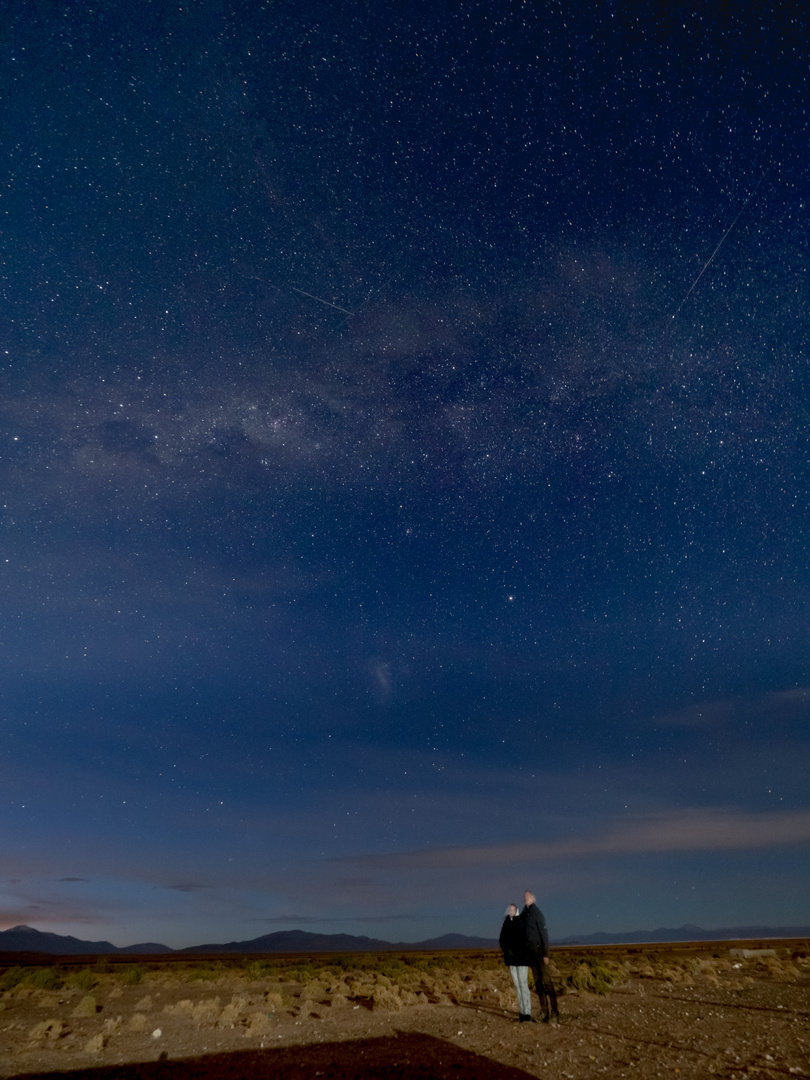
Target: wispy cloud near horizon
685, 831
784, 705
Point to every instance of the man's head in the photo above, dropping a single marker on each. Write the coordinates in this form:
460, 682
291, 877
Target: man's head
529, 898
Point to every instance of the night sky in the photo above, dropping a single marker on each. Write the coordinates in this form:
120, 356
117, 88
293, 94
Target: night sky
404, 467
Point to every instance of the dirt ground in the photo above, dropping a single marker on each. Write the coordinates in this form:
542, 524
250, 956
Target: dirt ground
692, 1013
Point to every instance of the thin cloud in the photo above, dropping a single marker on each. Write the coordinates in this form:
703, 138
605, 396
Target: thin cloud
780, 704
687, 831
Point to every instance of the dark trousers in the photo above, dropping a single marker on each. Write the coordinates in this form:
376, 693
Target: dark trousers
543, 984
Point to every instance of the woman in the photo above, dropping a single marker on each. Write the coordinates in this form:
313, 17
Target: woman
516, 957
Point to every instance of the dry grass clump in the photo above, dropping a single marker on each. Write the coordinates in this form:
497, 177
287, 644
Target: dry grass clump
592, 976
210, 972
314, 990
642, 970
205, 1011
387, 998
258, 1024
258, 970
12, 978
85, 979
232, 1013
705, 969
88, 1006
131, 976
774, 968
459, 988
31, 979
52, 1029
298, 974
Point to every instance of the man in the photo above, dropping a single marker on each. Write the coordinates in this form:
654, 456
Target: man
534, 925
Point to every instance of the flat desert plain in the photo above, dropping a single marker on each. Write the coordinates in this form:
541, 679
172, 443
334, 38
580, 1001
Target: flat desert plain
702, 1010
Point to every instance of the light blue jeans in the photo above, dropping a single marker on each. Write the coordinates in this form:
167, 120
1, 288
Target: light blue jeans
520, 977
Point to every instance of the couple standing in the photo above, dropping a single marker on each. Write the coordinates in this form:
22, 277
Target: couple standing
524, 941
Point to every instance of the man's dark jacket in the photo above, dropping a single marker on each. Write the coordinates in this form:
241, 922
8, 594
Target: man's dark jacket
534, 926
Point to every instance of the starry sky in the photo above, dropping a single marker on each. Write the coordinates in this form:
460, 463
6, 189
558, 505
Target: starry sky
404, 467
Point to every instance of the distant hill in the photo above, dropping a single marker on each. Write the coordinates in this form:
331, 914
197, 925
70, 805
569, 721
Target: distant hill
146, 948
301, 941
687, 933
27, 939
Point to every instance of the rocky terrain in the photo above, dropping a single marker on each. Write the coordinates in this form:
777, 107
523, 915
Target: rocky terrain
698, 1010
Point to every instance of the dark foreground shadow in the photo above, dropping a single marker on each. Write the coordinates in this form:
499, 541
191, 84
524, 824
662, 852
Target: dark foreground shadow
395, 1057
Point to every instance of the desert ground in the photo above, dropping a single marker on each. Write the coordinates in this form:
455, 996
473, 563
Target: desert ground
702, 1010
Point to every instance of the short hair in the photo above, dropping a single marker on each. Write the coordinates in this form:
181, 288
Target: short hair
530, 897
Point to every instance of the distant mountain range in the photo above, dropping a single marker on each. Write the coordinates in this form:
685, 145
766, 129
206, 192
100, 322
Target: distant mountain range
25, 939
298, 941
685, 933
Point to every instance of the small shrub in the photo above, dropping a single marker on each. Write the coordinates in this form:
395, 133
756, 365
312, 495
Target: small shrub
261, 969
313, 991
592, 976
392, 968
421, 965
85, 979
300, 974
206, 1011
329, 973
257, 1024
131, 976
11, 978
208, 973
387, 998
233, 1011
86, 1007
45, 979
49, 1029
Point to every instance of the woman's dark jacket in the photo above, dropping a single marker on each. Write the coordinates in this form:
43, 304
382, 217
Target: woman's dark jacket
513, 943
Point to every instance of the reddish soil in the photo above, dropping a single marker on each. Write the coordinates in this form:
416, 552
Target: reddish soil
693, 1015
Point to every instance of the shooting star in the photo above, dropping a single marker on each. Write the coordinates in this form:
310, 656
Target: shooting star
309, 294
722, 241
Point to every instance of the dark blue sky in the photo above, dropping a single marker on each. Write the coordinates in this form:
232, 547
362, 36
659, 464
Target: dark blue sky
404, 467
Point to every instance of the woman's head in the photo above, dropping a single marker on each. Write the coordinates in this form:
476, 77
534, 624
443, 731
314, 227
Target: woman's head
512, 910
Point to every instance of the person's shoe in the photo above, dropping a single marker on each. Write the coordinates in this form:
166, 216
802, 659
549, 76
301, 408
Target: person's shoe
523, 1018
547, 1018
